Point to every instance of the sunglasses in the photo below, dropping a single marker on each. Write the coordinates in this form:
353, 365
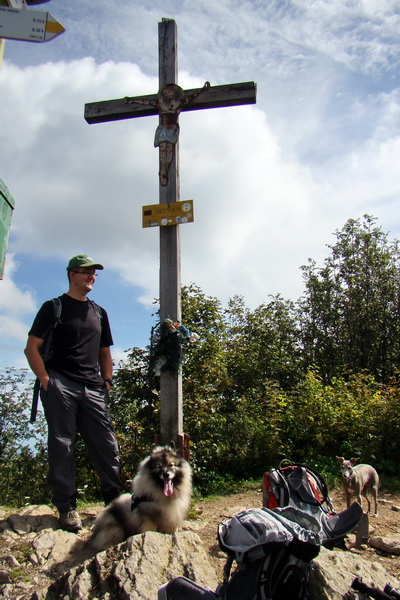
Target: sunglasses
86, 273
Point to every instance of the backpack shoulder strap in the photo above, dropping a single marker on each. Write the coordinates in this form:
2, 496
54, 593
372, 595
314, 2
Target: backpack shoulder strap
57, 309
97, 309
222, 589
276, 488
308, 485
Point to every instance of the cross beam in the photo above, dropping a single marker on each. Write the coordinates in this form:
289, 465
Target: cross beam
216, 96
171, 412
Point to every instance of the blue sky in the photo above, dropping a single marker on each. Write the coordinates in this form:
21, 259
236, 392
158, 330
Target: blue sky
271, 182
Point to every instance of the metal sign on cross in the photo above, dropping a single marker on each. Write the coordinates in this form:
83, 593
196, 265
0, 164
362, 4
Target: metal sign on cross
28, 25
168, 103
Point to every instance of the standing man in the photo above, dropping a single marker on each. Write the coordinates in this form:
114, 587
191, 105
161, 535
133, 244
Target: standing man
75, 382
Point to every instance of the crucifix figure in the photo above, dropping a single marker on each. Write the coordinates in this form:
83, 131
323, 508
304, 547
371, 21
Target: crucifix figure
168, 107
170, 102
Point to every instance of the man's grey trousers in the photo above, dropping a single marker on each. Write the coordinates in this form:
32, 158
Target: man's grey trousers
70, 407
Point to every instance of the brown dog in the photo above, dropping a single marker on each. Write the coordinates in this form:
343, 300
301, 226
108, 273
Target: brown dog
359, 479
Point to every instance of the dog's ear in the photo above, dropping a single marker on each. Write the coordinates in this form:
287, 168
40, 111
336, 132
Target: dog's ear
340, 459
354, 461
170, 446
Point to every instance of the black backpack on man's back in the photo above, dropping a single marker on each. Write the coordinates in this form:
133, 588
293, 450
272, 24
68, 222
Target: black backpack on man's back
46, 348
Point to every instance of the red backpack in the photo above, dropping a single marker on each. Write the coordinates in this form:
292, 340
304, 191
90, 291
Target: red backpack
295, 485
300, 486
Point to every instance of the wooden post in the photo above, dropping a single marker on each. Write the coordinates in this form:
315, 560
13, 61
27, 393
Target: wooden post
170, 255
171, 414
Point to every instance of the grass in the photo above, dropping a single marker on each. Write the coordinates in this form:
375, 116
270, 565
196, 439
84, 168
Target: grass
220, 488
19, 574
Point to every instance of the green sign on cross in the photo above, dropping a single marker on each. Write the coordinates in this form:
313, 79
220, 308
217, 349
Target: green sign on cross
7, 204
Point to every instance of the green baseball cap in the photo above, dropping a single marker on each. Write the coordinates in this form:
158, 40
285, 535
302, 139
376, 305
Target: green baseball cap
83, 260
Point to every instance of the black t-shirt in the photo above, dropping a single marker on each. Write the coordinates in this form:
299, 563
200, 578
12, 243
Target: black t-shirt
77, 339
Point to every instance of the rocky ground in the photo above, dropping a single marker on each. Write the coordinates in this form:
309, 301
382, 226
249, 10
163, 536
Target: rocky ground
29, 556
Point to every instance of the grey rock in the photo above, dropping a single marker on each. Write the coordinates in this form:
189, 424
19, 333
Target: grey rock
10, 561
390, 545
19, 524
334, 570
137, 568
10, 535
4, 577
33, 518
52, 547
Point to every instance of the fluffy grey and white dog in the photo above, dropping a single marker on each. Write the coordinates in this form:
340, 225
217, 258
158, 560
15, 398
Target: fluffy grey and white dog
162, 490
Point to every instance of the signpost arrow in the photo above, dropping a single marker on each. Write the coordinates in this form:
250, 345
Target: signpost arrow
28, 25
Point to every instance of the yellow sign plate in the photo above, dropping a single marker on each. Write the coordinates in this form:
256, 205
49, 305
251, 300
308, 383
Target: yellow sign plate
162, 215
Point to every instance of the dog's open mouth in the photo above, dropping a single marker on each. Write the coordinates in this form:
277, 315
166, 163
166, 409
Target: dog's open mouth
168, 487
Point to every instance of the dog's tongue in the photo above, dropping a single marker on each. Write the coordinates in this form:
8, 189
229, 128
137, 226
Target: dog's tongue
168, 487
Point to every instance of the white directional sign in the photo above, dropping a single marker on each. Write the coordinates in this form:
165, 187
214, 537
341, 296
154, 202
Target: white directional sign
28, 25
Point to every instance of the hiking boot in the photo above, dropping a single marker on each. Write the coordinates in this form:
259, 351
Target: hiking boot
70, 521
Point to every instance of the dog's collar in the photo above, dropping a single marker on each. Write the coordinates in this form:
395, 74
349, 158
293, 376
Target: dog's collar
136, 500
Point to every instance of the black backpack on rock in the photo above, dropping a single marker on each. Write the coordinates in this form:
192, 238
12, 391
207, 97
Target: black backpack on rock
270, 549
272, 555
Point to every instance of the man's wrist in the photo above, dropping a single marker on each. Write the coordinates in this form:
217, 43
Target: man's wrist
109, 380
43, 379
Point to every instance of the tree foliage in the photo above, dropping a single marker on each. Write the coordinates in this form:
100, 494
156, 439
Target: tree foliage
350, 313
22, 447
263, 344
304, 380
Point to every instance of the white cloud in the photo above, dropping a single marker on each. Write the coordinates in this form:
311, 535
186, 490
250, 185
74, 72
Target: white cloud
15, 305
94, 192
270, 183
253, 202
12, 299
118, 356
11, 329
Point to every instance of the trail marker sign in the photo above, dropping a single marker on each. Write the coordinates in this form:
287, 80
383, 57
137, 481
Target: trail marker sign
28, 25
173, 213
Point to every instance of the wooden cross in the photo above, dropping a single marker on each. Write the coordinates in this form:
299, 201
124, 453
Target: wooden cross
171, 413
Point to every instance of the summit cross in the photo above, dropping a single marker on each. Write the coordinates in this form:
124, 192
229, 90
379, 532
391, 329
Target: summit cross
168, 103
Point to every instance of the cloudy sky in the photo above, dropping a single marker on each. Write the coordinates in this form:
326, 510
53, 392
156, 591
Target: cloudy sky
271, 182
